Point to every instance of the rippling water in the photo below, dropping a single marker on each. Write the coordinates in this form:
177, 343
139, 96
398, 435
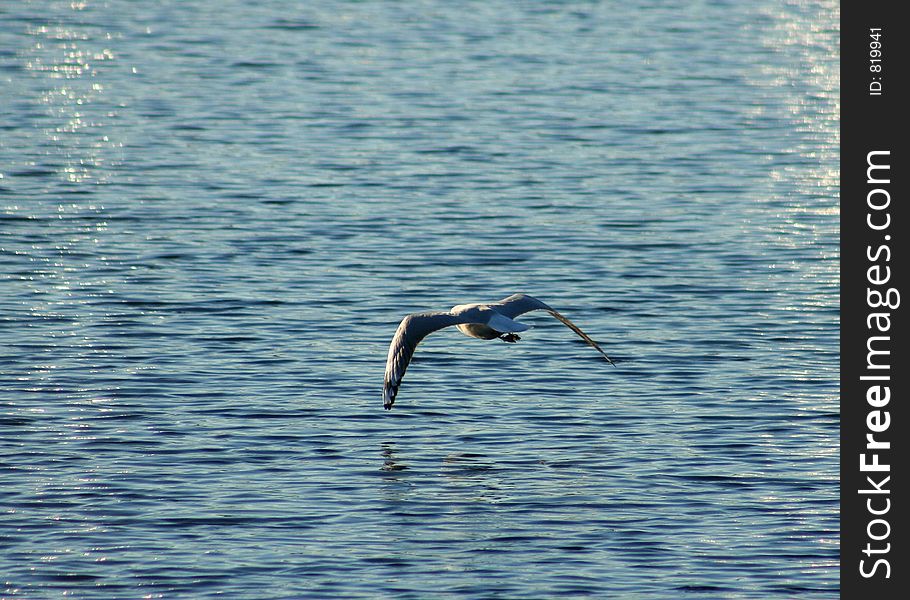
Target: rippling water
213, 215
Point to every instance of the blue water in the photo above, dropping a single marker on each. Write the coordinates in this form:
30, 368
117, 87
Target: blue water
214, 214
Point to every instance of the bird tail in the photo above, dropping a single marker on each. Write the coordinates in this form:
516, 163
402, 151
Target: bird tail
504, 324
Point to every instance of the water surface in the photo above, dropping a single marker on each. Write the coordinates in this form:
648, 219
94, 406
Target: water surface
214, 214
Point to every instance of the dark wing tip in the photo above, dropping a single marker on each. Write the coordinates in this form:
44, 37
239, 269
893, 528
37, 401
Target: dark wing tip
565, 321
388, 396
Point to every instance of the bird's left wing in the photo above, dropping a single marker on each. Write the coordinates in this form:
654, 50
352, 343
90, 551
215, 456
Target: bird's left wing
411, 330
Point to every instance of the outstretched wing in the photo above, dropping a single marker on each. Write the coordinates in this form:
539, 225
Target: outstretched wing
411, 330
518, 304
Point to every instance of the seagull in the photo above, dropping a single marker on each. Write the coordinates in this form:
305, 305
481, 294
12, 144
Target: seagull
484, 321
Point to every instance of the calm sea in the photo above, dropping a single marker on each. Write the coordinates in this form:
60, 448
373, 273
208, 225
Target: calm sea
213, 215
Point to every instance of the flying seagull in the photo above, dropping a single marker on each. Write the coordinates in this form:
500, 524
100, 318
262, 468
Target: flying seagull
484, 321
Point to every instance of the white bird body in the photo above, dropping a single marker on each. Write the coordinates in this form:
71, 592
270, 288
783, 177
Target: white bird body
486, 323
482, 321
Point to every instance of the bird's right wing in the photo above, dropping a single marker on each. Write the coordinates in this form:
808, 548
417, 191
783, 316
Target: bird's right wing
411, 330
565, 321
519, 304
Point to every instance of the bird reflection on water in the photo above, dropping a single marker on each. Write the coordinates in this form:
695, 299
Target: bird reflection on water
391, 462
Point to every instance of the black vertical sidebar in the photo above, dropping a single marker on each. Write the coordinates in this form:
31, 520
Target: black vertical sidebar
874, 365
